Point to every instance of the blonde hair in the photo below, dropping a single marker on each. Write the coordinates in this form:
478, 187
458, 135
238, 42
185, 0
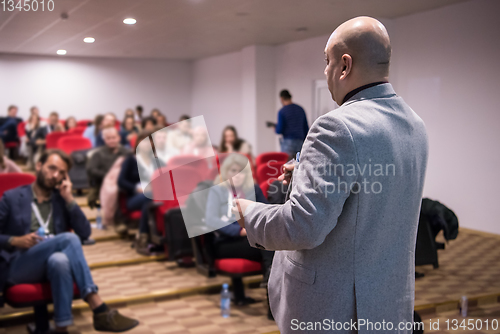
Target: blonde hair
240, 160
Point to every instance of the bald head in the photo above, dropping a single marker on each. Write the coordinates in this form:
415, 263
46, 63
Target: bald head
359, 51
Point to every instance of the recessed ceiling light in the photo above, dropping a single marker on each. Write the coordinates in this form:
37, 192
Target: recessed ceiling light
61, 52
89, 39
129, 21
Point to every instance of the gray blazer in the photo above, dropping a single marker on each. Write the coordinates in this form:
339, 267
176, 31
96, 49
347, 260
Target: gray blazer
346, 238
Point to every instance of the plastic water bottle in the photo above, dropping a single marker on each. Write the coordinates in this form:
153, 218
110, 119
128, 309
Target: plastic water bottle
41, 232
463, 306
225, 301
98, 219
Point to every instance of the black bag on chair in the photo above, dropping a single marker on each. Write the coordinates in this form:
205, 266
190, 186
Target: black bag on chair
78, 173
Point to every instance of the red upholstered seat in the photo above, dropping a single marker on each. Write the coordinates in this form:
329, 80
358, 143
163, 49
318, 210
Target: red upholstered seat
29, 294
11, 144
71, 143
271, 170
135, 215
237, 266
14, 180
263, 158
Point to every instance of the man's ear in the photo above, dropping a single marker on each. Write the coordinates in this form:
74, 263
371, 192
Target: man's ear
346, 62
38, 166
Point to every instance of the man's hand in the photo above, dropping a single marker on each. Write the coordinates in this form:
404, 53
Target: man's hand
243, 232
26, 241
66, 190
40, 142
287, 174
239, 207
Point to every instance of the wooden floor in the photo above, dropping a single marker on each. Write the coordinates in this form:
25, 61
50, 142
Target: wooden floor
470, 266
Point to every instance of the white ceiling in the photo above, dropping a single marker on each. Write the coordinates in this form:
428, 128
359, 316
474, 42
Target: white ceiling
184, 29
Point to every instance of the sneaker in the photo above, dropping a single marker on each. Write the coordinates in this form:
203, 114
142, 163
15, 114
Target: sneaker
121, 229
142, 245
113, 321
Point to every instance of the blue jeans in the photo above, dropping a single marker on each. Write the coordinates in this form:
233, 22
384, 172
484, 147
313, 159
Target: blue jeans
60, 260
140, 202
291, 146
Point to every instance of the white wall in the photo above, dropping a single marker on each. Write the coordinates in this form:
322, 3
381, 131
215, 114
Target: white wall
84, 87
217, 92
447, 69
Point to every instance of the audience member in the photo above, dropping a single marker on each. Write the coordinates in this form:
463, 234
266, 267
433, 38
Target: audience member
155, 113
8, 130
129, 113
101, 161
38, 142
109, 120
161, 121
70, 123
92, 131
31, 127
148, 123
48, 205
34, 111
200, 145
230, 142
179, 137
230, 240
292, 125
138, 111
129, 127
137, 170
7, 165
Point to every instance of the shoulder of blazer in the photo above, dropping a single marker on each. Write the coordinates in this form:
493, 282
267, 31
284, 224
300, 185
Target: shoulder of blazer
22, 192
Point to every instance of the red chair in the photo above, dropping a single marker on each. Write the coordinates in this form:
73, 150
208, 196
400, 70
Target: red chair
21, 130
77, 131
133, 141
83, 123
235, 268
264, 186
272, 157
14, 180
52, 139
70, 143
36, 295
268, 171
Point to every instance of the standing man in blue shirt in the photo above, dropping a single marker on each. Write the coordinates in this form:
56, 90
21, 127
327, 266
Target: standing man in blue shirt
292, 124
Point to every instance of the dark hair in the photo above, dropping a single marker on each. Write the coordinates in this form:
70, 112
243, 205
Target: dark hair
155, 110
11, 107
97, 123
54, 113
237, 140
63, 155
184, 118
285, 94
139, 108
148, 119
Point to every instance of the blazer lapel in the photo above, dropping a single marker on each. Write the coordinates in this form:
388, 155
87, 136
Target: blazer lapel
25, 200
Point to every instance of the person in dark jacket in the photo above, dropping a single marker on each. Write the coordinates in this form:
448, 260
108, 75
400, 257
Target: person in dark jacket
101, 161
231, 240
134, 176
47, 207
8, 130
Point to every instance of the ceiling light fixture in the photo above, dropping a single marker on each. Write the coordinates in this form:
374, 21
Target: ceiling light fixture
61, 52
89, 39
129, 21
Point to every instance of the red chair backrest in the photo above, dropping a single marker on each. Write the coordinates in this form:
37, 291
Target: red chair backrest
13, 180
21, 131
83, 122
52, 139
71, 143
133, 141
268, 171
118, 125
77, 131
270, 156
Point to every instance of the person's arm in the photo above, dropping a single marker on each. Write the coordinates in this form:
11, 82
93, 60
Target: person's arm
305, 220
212, 215
281, 123
95, 169
124, 182
4, 217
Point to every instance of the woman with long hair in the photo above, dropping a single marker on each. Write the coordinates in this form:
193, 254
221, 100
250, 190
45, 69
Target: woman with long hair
231, 240
230, 142
70, 123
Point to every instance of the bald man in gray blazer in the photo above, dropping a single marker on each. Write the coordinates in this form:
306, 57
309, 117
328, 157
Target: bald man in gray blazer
345, 240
